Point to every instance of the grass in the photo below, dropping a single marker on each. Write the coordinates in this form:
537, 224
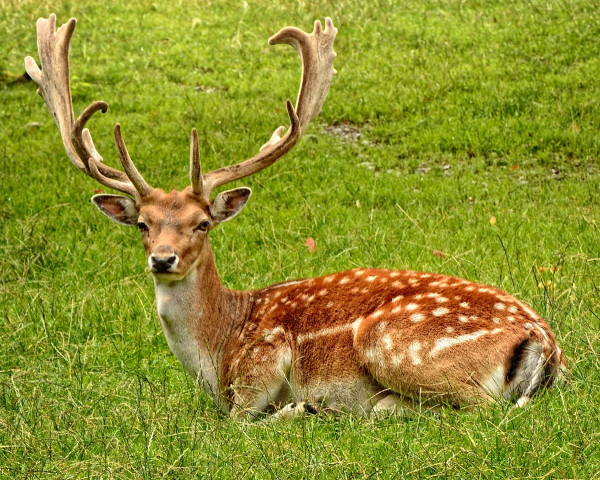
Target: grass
463, 110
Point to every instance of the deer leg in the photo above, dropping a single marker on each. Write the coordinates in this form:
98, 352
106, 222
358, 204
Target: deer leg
295, 410
260, 379
391, 403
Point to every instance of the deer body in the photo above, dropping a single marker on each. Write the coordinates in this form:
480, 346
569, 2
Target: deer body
364, 339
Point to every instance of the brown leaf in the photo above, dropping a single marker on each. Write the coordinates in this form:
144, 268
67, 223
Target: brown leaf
493, 220
98, 190
310, 243
437, 253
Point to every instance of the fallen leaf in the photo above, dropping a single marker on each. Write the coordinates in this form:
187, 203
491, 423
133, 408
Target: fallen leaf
514, 167
357, 204
310, 243
98, 190
437, 253
493, 220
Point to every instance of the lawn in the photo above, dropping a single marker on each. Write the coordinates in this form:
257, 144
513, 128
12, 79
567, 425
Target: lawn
459, 137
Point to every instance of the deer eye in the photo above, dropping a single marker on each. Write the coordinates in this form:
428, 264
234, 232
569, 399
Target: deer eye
142, 226
202, 226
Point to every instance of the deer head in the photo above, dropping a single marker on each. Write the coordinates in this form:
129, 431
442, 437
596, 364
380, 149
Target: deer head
175, 225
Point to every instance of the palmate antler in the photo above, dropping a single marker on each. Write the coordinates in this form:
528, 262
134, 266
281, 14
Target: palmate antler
317, 56
316, 52
54, 88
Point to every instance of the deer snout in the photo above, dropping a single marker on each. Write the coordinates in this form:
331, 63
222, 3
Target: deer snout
163, 260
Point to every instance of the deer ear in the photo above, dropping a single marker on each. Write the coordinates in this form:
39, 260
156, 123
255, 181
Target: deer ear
227, 205
118, 208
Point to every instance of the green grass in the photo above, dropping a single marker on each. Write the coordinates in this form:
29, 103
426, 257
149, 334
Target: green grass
466, 110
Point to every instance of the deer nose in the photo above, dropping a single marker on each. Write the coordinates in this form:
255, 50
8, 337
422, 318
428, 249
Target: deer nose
163, 260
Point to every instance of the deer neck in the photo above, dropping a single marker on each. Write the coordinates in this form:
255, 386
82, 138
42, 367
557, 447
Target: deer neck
198, 315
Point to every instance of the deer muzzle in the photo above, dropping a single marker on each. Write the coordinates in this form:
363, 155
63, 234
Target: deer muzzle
163, 259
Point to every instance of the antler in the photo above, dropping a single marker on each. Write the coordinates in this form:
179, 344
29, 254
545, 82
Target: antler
316, 52
55, 89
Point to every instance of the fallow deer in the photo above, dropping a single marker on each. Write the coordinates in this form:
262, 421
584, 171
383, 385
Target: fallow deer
365, 339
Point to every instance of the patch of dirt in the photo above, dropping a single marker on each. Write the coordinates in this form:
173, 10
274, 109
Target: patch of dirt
346, 132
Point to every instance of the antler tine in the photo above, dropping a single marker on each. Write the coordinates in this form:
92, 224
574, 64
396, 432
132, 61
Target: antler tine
54, 87
316, 52
136, 178
195, 168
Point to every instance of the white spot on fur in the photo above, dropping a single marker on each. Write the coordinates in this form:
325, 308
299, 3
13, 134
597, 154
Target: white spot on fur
323, 292
398, 298
412, 306
344, 281
438, 312
377, 314
464, 305
396, 309
417, 317
449, 329
528, 326
387, 342
397, 359
371, 278
500, 306
371, 355
329, 304
354, 326
303, 337
447, 342
435, 283
441, 299
470, 288
418, 296
432, 294
510, 318
394, 274
496, 320
328, 279
495, 331
463, 319
413, 281
413, 352
397, 284
513, 309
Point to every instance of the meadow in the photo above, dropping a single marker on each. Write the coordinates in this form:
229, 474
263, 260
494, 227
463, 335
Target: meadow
460, 137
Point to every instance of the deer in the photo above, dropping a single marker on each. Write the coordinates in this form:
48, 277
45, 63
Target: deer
364, 340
